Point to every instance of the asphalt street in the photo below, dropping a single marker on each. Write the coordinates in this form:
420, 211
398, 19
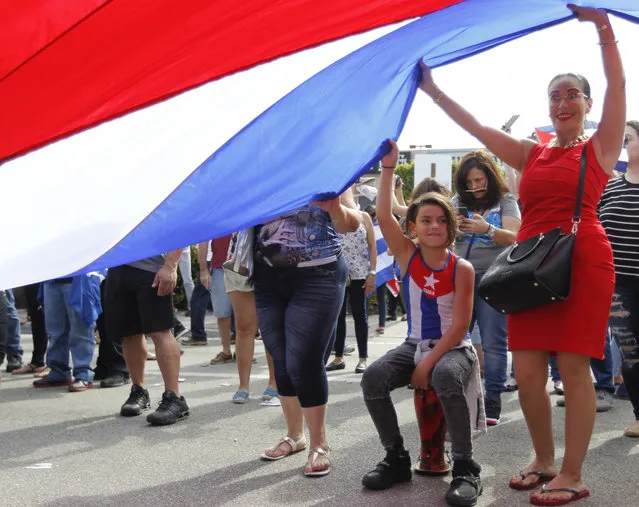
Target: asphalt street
73, 449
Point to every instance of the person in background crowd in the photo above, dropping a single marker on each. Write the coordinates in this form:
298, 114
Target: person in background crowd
71, 307
184, 265
489, 219
619, 214
550, 174
437, 351
139, 302
35, 311
110, 368
360, 251
3, 325
13, 348
240, 290
300, 276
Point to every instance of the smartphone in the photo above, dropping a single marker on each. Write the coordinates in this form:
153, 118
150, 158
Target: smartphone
398, 182
462, 210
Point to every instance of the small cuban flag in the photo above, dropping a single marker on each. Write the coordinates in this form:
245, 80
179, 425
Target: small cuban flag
385, 274
547, 134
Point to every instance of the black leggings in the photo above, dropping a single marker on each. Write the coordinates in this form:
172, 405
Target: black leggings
38, 328
356, 292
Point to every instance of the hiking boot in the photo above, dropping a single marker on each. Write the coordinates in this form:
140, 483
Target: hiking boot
172, 408
604, 400
137, 402
392, 469
466, 486
13, 363
493, 409
116, 380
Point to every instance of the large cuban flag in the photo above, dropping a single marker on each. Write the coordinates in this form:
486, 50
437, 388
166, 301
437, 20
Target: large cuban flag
125, 129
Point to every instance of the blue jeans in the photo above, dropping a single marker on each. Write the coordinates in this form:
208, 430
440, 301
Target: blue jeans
297, 309
199, 305
67, 333
494, 340
13, 347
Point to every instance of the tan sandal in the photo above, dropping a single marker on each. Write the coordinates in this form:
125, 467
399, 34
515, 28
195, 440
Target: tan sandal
28, 369
315, 453
42, 373
298, 446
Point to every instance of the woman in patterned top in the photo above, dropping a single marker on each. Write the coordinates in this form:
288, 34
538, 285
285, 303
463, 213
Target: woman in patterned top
300, 275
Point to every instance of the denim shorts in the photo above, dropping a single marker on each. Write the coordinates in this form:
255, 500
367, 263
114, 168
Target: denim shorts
222, 307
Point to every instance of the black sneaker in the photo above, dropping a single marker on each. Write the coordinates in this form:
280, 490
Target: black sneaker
493, 410
13, 363
138, 402
466, 486
116, 380
392, 469
179, 330
171, 410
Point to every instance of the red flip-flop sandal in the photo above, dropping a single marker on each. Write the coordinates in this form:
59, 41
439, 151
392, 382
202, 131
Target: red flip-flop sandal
542, 477
538, 499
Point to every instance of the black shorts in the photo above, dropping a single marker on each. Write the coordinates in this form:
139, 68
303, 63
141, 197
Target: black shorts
132, 306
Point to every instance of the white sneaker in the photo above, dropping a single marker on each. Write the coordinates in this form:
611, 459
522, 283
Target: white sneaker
559, 388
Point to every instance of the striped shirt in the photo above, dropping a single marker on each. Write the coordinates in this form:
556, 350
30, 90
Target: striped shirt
619, 214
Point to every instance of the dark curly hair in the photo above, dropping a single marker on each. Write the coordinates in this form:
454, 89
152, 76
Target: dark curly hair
496, 186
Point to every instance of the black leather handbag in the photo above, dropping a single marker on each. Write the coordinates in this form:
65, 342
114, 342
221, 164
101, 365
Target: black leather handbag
537, 271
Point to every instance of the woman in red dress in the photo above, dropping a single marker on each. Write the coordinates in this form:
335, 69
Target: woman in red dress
574, 329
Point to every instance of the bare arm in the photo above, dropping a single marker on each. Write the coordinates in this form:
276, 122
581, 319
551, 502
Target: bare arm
608, 139
512, 151
343, 211
166, 278
372, 253
202, 254
401, 246
462, 312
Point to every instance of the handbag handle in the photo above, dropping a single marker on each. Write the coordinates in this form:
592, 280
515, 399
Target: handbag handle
580, 190
516, 245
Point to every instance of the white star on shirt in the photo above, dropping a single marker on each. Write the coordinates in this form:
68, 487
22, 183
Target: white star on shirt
430, 281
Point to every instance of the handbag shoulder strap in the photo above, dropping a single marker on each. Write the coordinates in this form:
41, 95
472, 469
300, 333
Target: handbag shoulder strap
580, 188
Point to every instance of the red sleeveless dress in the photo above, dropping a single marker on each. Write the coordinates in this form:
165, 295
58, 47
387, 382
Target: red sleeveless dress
548, 192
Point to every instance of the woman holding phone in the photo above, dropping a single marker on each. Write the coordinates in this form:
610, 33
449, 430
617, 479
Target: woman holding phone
489, 219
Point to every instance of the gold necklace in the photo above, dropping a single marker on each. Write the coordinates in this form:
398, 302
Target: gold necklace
581, 139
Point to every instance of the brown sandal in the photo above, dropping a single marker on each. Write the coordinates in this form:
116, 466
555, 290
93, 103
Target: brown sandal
29, 369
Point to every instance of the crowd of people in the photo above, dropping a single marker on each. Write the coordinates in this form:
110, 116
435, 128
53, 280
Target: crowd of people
288, 282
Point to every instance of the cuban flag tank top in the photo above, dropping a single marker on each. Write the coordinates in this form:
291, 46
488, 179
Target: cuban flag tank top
429, 298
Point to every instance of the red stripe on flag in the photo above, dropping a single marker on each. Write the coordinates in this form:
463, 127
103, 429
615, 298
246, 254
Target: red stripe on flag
126, 54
